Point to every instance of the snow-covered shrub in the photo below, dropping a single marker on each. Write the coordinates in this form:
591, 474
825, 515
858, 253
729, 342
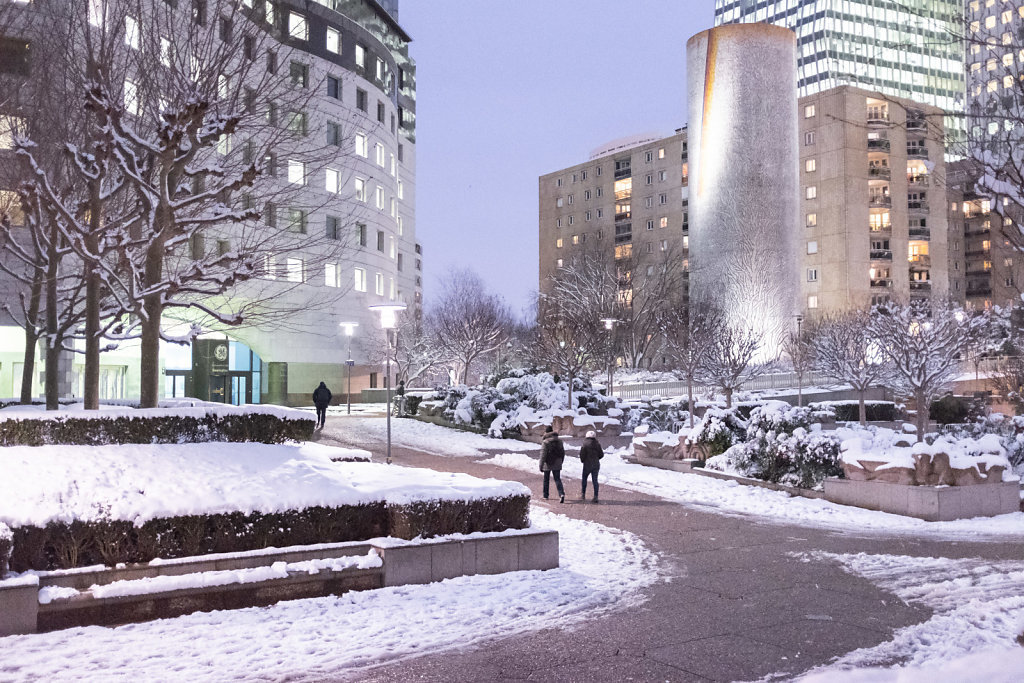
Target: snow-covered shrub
876, 411
660, 416
6, 541
801, 458
777, 417
719, 429
481, 406
1008, 429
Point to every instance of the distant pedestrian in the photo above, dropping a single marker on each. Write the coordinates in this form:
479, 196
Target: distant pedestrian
590, 455
321, 399
552, 453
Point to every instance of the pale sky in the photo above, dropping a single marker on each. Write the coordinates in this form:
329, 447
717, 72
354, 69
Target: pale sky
509, 91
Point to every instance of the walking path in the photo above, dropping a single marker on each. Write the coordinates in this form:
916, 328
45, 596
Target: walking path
744, 600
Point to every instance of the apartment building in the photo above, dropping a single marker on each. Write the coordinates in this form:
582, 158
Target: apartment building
874, 206
628, 200
350, 217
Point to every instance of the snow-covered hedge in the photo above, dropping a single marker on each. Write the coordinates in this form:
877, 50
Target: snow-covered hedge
718, 430
1008, 429
63, 545
6, 541
181, 425
849, 411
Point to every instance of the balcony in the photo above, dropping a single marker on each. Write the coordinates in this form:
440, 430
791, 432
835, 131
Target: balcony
978, 272
920, 285
881, 282
917, 125
920, 180
917, 206
971, 231
881, 255
879, 172
981, 290
878, 118
920, 233
621, 173
918, 261
880, 201
976, 253
878, 144
916, 152
877, 229
623, 215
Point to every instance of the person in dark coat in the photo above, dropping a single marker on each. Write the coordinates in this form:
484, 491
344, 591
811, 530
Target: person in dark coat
590, 455
552, 453
321, 399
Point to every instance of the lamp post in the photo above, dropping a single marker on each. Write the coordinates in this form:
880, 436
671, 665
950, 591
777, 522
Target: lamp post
388, 321
609, 324
800, 350
350, 329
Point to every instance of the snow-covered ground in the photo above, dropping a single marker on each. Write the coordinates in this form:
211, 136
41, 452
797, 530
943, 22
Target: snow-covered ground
602, 570
424, 436
978, 615
139, 482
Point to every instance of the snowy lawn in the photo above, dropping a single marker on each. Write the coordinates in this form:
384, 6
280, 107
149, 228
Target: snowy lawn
425, 436
729, 497
979, 608
140, 482
602, 570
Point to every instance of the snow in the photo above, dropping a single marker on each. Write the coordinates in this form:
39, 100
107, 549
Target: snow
140, 482
602, 570
732, 498
978, 610
427, 437
885, 445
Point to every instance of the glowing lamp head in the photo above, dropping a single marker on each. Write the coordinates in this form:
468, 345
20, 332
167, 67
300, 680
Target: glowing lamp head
350, 328
388, 314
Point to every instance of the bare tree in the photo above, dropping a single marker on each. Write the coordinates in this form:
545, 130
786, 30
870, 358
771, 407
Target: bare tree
467, 321
799, 349
845, 349
689, 337
414, 350
925, 345
730, 359
567, 342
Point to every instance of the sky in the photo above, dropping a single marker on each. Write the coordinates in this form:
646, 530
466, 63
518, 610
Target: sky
510, 91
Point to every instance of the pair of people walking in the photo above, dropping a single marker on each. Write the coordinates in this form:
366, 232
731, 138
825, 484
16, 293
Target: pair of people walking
552, 455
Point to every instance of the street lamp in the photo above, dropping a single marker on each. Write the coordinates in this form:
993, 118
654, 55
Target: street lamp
350, 329
388, 321
609, 324
800, 350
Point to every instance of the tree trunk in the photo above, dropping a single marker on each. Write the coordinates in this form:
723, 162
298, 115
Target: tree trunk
689, 396
863, 410
728, 398
149, 362
53, 338
800, 391
922, 415
31, 338
570, 394
91, 388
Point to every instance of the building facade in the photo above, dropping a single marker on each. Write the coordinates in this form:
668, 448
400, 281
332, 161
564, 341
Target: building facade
350, 216
901, 50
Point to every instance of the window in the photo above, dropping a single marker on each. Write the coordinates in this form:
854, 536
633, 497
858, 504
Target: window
131, 97
334, 133
380, 241
558, 243
650, 225
812, 274
378, 153
271, 62
401, 190
332, 275
600, 213
380, 197
600, 192
332, 228
649, 179
380, 69
809, 111
812, 301
362, 146
575, 239
334, 87
649, 157
9, 127
199, 12
299, 73
360, 187
811, 191
296, 172
570, 199
810, 165
333, 41
583, 175
663, 246
392, 168
360, 56
809, 138
663, 222
661, 152
380, 112
298, 27
598, 170
269, 13
360, 283
572, 220
131, 32
648, 202
224, 29
96, 8
379, 284
662, 176
401, 230
293, 267
558, 263
332, 181
401, 261
663, 198
361, 102
167, 51
812, 247
297, 221
812, 220
559, 203
586, 216
297, 122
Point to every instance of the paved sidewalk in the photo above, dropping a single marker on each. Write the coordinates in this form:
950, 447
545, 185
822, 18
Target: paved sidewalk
737, 605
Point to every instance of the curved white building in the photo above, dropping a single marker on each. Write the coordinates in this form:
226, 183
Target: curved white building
744, 190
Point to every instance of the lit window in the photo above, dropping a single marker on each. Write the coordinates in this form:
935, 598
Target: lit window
809, 111
378, 151
294, 269
362, 147
812, 247
558, 243
360, 56
9, 127
663, 222
360, 186
332, 181
332, 275
379, 284
360, 283
401, 190
333, 41
811, 191
296, 172
810, 165
812, 301
661, 152
131, 32
96, 8
575, 239
812, 220
298, 28
131, 97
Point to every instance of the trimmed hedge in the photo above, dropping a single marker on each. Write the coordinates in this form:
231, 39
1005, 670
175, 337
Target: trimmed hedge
98, 430
849, 411
61, 545
5, 548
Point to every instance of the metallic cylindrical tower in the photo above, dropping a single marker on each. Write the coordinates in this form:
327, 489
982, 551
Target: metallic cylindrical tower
744, 190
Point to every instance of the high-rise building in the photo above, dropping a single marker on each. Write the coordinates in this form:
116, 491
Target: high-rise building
899, 49
347, 92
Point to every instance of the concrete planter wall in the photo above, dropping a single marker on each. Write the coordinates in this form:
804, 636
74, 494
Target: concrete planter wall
930, 503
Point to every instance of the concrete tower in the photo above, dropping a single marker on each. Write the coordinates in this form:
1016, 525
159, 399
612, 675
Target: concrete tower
744, 168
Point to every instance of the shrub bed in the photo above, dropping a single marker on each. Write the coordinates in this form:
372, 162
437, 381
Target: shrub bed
5, 547
199, 427
849, 411
64, 545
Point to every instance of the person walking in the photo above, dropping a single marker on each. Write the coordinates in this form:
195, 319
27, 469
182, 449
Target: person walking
321, 399
552, 453
590, 455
